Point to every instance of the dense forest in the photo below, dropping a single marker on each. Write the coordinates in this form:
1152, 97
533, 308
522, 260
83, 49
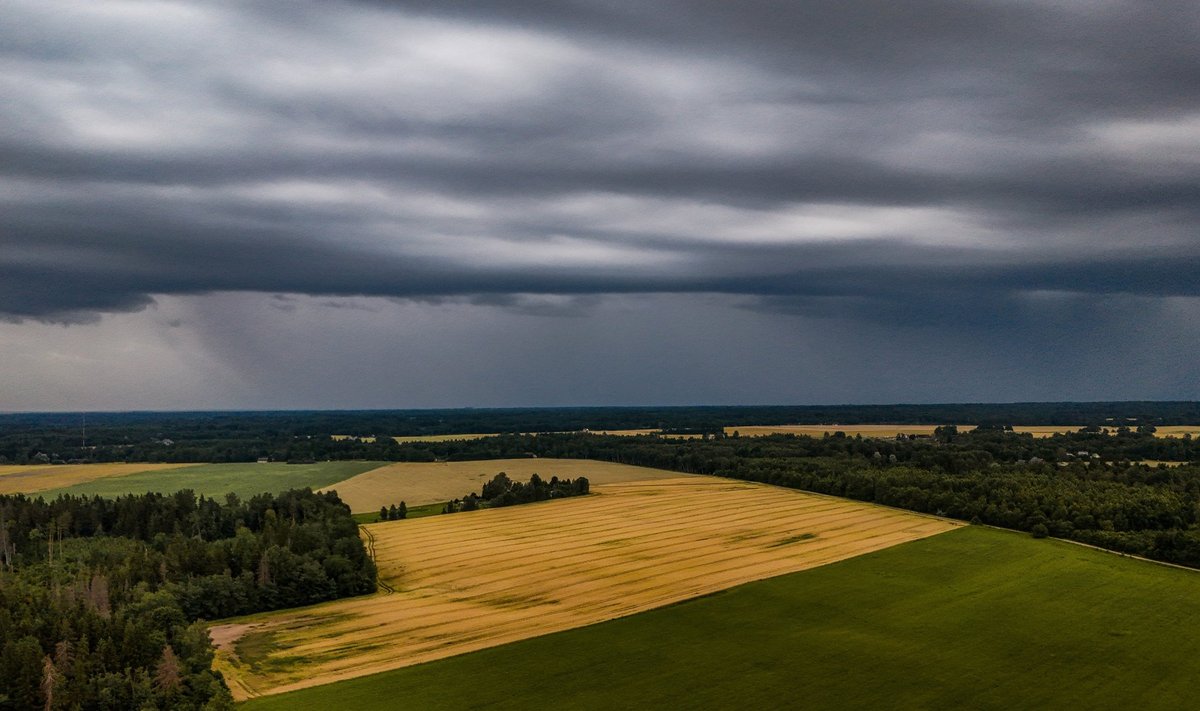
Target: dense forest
245, 436
101, 598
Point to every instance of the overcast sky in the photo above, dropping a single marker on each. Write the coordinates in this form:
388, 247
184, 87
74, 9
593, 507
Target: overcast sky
422, 204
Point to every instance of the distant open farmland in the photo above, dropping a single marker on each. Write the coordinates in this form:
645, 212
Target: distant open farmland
1178, 431
417, 483
822, 430
973, 619
473, 580
893, 430
218, 479
421, 438
1161, 431
38, 478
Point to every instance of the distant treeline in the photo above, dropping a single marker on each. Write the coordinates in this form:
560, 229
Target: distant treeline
100, 595
502, 491
300, 435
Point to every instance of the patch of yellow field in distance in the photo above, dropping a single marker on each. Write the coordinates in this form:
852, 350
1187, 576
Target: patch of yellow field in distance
444, 437
418, 438
417, 483
1045, 430
822, 430
1178, 431
893, 430
16, 479
467, 581
624, 433
1161, 431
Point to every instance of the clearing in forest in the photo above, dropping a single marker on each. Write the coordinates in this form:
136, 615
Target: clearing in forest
19, 479
418, 483
468, 581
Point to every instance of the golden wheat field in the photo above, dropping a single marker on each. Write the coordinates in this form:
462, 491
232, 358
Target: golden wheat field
472, 580
417, 483
15, 479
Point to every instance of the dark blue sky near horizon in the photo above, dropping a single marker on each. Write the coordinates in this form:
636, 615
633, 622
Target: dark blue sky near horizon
416, 204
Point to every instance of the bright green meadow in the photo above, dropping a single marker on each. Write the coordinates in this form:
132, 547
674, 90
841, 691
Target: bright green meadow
244, 479
976, 618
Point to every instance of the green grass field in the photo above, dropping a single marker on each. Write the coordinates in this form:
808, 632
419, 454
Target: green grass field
413, 512
975, 618
219, 479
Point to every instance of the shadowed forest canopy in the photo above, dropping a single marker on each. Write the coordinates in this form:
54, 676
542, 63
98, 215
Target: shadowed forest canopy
100, 598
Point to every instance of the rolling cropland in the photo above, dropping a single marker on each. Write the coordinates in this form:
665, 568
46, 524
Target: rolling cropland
974, 618
453, 584
418, 483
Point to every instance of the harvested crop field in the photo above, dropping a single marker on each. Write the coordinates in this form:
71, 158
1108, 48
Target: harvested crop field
32, 479
417, 483
474, 580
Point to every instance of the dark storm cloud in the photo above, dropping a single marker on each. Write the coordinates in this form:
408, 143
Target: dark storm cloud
936, 160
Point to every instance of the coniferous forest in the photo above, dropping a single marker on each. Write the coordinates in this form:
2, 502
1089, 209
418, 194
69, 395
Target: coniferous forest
100, 600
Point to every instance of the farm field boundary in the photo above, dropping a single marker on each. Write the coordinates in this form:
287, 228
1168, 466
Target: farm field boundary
473, 580
975, 618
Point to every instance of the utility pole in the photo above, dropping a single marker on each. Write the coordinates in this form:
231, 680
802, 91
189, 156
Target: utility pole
85, 430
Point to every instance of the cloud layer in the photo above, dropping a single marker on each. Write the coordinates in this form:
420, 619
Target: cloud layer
998, 168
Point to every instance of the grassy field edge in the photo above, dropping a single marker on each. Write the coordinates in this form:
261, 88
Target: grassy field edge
975, 617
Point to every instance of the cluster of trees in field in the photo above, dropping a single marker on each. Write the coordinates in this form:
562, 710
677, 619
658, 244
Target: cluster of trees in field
301, 436
101, 597
503, 491
393, 512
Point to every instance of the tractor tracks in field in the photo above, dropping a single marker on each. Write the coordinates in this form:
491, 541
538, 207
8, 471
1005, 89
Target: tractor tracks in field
383, 585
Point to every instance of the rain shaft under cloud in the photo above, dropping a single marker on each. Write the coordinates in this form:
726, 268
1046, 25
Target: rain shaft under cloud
998, 191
